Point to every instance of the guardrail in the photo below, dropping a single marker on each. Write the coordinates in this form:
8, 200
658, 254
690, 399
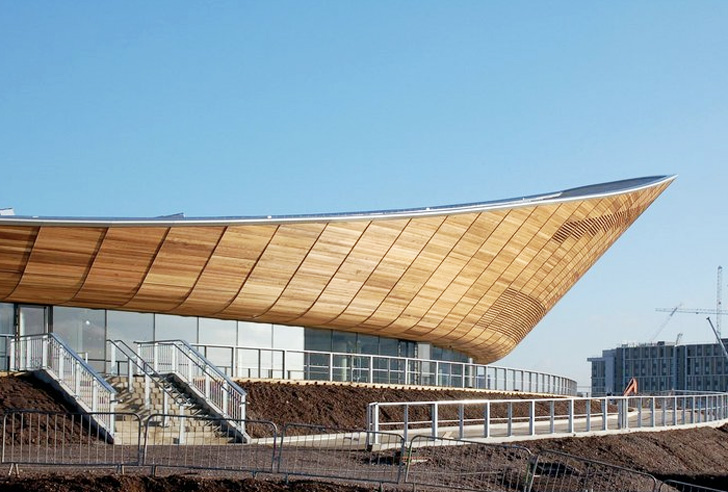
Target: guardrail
544, 417
135, 365
258, 362
76, 378
48, 439
214, 387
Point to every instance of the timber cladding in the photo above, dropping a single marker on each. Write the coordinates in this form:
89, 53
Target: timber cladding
476, 279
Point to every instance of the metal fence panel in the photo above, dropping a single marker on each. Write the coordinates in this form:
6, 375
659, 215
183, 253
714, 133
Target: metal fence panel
553, 471
327, 452
466, 465
676, 485
211, 443
52, 438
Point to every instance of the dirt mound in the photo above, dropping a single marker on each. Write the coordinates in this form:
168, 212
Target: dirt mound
345, 406
175, 483
26, 392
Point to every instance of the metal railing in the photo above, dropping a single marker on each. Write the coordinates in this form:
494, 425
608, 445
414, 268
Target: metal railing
546, 416
197, 442
470, 465
70, 439
344, 454
135, 365
50, 439
554, 471
218, 392
258, 362
50, 354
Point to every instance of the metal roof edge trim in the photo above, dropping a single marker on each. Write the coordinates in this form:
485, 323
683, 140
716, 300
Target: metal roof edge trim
573, 194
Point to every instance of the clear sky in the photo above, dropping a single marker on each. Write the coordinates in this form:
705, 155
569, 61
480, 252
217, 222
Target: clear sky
256, 108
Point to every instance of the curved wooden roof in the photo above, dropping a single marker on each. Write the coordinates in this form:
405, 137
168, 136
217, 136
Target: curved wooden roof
476, 278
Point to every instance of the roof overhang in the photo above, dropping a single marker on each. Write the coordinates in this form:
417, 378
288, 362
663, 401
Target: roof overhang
474, 277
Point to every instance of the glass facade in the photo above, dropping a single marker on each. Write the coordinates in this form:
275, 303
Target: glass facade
7, 329
257, 350
129, 327
84, 330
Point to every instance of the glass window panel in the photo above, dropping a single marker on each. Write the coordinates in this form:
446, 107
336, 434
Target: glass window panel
130, 326
83, 329
288, 337
7, 327
315, 339
368, 344
218, 331
343, 342
389, 346
33, 320
255, 334
7, 319
170, 327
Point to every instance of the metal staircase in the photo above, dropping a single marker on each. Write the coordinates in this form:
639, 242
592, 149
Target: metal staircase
52, 360
172, 379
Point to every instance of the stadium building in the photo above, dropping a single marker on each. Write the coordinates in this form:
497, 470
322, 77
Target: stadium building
453, 284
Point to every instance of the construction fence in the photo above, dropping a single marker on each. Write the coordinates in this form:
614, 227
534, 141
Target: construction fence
166, 443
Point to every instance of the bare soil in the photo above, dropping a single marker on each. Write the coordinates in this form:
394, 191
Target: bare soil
697, 455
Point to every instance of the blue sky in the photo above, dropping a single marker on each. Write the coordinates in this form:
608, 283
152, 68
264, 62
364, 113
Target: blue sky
257, 108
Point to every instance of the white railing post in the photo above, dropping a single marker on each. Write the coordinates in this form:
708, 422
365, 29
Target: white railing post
155, 356
129, 374
486, 420
61, 367
371, 369
207, 384
605, 414
94, 396
44, 354
147, 391
435, 418
552, 416
12, 354
587, 405
532, 418
76, 378
509, 422
571, 416
112, 361
225, 391
461, 421
652, 412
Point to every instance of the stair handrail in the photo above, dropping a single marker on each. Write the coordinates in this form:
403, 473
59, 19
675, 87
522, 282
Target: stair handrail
146, 370
215, 387
50, 353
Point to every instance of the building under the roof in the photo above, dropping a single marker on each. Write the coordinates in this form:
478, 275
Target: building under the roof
474, 279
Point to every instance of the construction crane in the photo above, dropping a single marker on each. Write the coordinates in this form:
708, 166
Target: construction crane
718, 312
664, 323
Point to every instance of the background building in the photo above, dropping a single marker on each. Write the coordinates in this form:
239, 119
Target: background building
659, 367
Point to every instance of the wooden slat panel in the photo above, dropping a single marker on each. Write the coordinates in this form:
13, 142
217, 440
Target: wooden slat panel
232, 261
15, 247
388, 272
466, 251
58, 263
274, 270
177, 266
416, 290
490, 258
375, 241
120, 266
323, 261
